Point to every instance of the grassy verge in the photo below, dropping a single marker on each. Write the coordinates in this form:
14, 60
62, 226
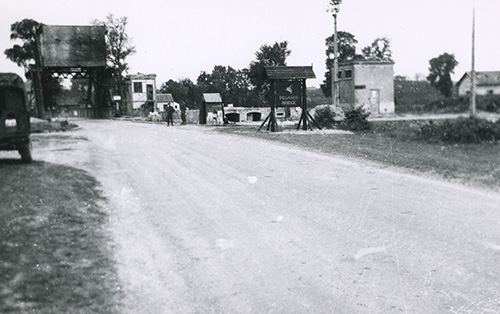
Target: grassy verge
54, 254
392, 144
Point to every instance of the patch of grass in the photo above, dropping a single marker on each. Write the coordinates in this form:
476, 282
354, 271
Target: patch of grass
54, 253
394, 144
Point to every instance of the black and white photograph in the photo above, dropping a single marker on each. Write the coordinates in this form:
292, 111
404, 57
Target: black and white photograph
250, 156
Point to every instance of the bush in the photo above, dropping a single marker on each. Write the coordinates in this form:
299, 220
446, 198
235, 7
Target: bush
461, 131
489, 103
325, 117
448, 105
355, 119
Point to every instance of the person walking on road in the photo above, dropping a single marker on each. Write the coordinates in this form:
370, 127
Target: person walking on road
183, 113
170, 115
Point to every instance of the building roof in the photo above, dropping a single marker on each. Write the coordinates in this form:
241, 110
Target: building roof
141, 76
363, 62
212, 98
164, 98
484, 78
73, 46
290, 73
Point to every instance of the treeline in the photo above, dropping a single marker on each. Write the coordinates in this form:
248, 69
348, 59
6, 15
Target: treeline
242, 87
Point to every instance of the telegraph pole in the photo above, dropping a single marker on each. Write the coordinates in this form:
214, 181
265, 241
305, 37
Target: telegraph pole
335, 64
335, 8
473, 68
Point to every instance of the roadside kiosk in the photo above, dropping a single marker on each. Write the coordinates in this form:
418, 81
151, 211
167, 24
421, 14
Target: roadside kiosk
211, 106
289, 89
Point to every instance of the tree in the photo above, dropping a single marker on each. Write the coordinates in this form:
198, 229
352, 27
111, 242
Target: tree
25, 55
183, 91
118, 49
379, 50
26, 31
267, 55
233, 85
346, 51
346, 46
440, 69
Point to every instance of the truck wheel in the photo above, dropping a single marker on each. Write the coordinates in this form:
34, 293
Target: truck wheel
25, 152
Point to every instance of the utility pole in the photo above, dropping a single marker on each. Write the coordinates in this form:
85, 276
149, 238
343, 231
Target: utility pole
335, 8
473, 68
335, 64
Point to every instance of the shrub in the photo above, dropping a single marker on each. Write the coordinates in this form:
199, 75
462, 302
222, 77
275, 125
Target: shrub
488, 103
325, 117
461, 131
448, 105
146, 108
355, 119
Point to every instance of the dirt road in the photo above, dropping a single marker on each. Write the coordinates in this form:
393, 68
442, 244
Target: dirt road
212, 223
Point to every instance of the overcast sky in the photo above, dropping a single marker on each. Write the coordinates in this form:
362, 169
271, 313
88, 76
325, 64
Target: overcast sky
180, 38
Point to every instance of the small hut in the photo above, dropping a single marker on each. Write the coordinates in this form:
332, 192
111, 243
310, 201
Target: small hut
212, 109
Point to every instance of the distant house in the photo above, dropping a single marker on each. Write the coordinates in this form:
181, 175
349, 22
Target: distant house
487, 83
163, 100
367, 83
142, 90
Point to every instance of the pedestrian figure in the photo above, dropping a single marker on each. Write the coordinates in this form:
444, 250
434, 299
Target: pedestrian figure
170, 115
215, 116
183, 114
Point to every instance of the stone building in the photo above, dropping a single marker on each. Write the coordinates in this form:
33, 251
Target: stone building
487, 83
369, 84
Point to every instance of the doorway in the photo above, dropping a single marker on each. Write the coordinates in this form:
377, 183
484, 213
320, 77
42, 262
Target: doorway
375, 101
149, 92
254, 116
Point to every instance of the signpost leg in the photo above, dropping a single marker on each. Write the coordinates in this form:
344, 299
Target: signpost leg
312, 119
300, 122
304, 118
304, 106
263, 123
272, 120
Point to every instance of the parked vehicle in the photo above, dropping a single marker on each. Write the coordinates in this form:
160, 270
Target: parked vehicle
14, 116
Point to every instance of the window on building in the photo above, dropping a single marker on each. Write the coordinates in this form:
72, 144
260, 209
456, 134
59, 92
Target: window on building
137, 87
348, 74
490, 92
339, 74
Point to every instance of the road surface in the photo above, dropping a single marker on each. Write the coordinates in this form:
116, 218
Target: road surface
209, 223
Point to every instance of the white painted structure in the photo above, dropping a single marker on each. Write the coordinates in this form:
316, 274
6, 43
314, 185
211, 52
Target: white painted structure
142, 89
163, 100
487, 83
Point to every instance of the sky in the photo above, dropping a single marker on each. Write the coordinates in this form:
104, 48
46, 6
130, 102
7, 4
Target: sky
180, 38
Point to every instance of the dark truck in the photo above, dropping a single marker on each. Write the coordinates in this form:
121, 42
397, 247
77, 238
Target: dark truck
14, 116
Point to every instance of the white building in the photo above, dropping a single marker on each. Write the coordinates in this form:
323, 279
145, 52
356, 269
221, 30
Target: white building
142, 90
487, 83
163, 100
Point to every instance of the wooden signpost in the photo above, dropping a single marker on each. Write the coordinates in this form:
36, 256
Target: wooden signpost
288, 89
